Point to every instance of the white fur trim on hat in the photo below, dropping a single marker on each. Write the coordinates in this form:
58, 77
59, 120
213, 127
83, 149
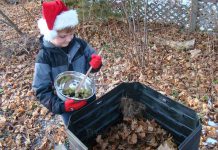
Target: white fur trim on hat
48, 34
65, 19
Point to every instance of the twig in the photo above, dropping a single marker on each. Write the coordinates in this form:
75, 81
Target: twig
23, 71
134, 31
11, 23
212, 58
83, 16
1, 20
127, 18
29, 14
90, 10
145, 45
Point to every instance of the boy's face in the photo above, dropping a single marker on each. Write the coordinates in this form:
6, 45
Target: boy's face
63, 38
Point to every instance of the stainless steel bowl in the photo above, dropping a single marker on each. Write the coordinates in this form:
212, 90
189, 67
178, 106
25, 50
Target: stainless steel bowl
73, 80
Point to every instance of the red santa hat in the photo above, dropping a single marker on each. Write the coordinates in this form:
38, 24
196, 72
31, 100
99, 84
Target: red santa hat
56, 16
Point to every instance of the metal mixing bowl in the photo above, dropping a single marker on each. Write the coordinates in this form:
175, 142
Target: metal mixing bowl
73, 81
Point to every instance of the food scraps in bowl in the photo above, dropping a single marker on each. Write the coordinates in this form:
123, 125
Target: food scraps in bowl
83, 93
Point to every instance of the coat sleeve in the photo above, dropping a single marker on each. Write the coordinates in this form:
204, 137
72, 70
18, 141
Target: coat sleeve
42, 85
88, 51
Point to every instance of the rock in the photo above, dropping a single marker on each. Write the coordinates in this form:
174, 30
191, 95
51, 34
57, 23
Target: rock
178, 45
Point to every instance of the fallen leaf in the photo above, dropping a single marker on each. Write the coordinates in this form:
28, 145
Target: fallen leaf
45, 144
43, 111
165, 146
2, 121
132, 139
216, 87
195, 53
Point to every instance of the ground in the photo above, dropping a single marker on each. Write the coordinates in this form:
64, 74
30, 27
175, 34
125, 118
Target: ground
187, 76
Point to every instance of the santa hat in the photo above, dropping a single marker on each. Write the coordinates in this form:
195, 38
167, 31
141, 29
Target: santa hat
56, 16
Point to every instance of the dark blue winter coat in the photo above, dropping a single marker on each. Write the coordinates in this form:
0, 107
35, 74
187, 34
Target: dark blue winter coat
51, 61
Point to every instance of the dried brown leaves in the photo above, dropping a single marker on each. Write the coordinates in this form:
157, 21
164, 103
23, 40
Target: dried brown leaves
134, 134
190, 77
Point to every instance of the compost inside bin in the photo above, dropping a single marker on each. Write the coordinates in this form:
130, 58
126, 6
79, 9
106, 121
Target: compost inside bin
135, 132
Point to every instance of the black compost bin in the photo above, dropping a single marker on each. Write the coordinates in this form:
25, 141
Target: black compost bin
180, 121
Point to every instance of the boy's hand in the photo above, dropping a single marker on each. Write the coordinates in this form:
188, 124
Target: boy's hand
71, 105
96, 61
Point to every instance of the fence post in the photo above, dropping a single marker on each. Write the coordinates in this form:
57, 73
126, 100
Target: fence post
193, 15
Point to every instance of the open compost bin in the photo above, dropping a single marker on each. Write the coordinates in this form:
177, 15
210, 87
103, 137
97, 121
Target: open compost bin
180, 121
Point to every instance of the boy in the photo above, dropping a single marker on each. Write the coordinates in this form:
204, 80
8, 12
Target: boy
60, 51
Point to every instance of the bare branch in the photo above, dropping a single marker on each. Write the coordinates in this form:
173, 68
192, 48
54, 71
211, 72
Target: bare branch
145, 44
1, 20
29, 14
11, 23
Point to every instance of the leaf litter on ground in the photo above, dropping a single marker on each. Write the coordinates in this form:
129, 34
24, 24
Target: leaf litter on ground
188, 77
